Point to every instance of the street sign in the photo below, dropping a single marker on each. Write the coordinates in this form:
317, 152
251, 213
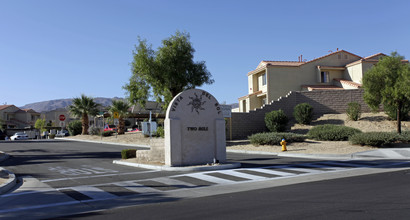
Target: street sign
62, 123
116, 122
62, 117
226, 111
116, 115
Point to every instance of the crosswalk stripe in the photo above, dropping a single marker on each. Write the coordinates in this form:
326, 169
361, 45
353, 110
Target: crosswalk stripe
174, 182
274, 172
139, 188
93, 192
244, 175
212, 179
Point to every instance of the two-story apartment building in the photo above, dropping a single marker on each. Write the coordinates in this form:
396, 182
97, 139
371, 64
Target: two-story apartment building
14, 117
274, 79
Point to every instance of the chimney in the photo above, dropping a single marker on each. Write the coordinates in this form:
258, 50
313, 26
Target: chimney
301, 59
337, 49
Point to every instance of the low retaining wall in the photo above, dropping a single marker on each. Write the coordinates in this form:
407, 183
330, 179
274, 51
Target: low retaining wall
323, 102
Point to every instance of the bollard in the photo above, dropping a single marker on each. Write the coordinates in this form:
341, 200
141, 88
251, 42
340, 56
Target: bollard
283, 143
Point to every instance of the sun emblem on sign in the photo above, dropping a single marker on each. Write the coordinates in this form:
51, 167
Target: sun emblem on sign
196, 103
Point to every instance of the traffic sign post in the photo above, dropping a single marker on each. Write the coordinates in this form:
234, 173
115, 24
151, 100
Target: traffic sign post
116, 115
116, 122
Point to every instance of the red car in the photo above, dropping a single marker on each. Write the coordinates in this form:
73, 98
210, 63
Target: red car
110, 128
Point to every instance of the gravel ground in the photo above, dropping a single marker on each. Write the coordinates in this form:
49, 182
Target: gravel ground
368, 122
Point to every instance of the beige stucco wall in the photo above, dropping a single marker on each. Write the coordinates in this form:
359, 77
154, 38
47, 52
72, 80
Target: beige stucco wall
250, 84
354, 73
281, 80
8, 111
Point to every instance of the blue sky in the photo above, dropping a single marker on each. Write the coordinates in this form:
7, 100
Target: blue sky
53, 49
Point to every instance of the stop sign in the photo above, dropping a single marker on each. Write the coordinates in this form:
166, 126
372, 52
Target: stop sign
62, 117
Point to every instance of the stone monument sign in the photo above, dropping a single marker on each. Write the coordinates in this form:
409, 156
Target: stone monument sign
194, 130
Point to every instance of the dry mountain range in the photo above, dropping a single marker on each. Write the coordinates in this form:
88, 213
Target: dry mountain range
46, 106
51, 105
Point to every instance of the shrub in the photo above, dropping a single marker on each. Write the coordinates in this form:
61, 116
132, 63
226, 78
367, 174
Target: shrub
303, 113
128, 153
376, 139
405, 137
391, 112
107, 133
74, 128
93, 130
330, 132
274, 138
353, 111
160, 132
276, 121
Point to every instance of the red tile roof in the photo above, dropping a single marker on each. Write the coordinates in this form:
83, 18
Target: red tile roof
374, 55
4, 106
255, 93
262, 65
321, 87
348, 82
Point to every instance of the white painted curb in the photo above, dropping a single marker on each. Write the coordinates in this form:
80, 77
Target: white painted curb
168, 168
11, 182
111, 143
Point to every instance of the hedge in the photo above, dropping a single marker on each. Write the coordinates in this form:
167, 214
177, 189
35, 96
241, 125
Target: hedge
375, 139
107, 133
128, 153
274, 138
331, 132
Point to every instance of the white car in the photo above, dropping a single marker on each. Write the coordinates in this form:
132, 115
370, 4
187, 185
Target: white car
19, 136
62, 133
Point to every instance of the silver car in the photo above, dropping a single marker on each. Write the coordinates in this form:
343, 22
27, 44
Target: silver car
19, 136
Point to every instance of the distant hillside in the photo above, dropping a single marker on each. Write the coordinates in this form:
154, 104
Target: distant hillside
234, 105
46, 106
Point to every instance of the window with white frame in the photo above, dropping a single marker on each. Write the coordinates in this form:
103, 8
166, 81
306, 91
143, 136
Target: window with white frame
324, 77
264, 79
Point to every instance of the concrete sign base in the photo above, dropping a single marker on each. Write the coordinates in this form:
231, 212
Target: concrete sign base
194, 130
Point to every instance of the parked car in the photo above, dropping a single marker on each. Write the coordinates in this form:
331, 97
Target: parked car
135, 130
110, 128
62, 133
19, 136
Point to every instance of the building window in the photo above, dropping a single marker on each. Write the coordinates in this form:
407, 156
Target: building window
324, 77
264, 79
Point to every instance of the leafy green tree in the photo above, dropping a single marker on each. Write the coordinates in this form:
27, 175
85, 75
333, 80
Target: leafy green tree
388, 83
83, 107
74, 127
165, 72
40, 124
122, 108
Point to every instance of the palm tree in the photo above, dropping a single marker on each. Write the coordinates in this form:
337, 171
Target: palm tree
82, 107
121, 107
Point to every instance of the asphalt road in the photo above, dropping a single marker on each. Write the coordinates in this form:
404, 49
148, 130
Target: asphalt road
62, 178
377, 196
